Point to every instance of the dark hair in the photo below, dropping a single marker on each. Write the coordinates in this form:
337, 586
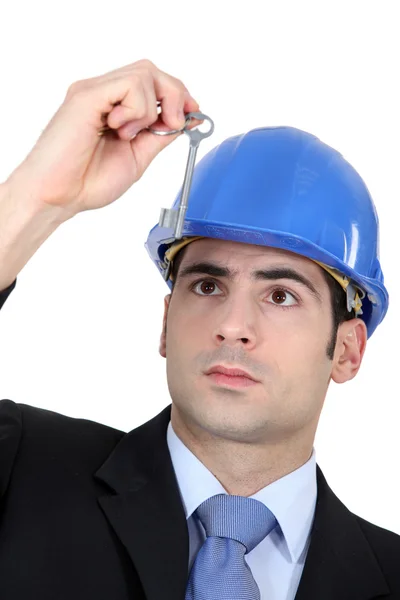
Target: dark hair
339, 310
338, 301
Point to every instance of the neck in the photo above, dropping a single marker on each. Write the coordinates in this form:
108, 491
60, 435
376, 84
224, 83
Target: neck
243, 467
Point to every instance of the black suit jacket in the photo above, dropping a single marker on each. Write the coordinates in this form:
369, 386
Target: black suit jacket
89, 512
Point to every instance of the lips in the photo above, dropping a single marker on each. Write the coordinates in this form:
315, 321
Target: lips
230, 372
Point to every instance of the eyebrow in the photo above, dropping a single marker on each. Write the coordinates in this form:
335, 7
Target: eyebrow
215, 270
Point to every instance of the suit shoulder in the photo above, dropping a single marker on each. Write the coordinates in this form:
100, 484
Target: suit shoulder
33, 416
379, 537
385, 545
51, 436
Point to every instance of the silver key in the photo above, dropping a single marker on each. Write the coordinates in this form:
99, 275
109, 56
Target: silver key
174, 218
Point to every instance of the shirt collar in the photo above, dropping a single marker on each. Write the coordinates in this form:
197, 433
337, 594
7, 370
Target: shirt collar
291, 498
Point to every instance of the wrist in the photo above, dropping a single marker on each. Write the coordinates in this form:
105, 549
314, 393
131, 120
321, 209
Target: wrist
25, 224
21, 199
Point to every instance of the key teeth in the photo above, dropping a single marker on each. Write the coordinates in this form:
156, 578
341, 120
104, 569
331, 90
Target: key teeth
168, 218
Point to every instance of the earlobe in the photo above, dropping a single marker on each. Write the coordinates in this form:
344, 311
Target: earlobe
163, 338
350, 348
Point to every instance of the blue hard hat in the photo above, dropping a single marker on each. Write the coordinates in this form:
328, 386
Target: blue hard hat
284, 188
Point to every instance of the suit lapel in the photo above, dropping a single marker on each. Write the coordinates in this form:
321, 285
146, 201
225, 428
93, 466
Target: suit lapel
146, 512
10, 436
340, 563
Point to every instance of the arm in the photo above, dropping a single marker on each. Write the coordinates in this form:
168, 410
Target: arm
91, 152
24, 226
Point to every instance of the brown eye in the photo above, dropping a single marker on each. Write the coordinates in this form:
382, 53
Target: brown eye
205, 287
282, 298
279, 296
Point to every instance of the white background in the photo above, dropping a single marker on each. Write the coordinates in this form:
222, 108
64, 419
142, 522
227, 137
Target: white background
80, 333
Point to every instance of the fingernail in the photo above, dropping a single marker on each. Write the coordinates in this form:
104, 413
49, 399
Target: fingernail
132, 131
181, 117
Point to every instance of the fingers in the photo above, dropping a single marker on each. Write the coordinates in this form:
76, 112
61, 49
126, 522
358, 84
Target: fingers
173, 96
162, 82
128, 97
146, 146
149, 111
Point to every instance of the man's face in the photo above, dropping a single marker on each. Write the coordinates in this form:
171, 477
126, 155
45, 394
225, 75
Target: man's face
274, 324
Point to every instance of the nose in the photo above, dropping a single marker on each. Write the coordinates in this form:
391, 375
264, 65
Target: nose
236, 322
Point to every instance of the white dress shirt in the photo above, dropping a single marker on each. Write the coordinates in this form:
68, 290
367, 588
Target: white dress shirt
278, 560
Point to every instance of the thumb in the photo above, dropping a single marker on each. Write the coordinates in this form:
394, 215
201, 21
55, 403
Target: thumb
147, 145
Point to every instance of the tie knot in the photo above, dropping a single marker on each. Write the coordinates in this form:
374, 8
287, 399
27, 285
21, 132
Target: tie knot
245, 520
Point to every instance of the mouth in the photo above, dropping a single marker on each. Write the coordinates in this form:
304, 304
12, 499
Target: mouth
224, 376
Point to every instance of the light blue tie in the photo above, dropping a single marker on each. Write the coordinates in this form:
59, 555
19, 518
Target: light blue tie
234, 525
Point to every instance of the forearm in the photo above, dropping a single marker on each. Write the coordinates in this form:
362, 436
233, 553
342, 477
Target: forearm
25, 224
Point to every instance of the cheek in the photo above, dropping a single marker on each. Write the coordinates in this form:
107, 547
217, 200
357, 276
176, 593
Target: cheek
185, 331
299, 341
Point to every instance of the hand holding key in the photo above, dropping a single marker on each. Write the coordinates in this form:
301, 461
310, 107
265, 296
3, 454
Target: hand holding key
74, 168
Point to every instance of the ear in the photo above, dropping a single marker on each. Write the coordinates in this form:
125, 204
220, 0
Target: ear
163, 338
350, 347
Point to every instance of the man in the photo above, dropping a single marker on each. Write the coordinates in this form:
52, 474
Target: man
275, 287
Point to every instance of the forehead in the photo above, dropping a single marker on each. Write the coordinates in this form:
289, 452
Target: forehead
240, 256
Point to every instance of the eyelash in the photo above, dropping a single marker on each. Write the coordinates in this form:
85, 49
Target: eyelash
274, 289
